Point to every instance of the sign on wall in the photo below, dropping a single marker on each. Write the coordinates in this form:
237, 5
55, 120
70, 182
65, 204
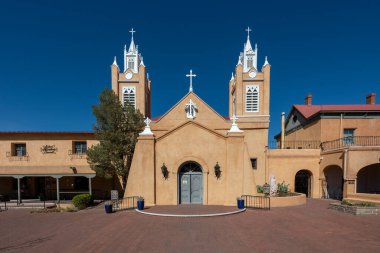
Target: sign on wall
49, 149
114, 195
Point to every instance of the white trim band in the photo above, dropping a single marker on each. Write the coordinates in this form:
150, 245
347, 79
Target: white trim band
191, 215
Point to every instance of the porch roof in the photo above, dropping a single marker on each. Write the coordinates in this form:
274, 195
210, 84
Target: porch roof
83, 170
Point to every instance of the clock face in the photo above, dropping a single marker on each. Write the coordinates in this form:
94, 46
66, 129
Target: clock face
128, 75
252, 74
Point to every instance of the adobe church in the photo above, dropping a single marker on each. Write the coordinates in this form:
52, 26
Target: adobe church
193, 155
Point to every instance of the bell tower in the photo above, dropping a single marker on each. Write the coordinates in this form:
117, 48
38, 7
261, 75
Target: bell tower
249, 87
132, 85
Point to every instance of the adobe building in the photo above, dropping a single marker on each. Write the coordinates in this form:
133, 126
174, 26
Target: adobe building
349, 141
193, 155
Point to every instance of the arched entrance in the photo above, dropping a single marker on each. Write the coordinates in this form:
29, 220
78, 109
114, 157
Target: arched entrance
190, 183
334, 182
302, 182
368, 179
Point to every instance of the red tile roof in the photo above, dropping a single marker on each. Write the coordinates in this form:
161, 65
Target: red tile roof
310, 110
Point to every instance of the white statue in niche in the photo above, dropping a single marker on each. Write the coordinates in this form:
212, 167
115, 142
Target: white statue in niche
273, 185
191, 110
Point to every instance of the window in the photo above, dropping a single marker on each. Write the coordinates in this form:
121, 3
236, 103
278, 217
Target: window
19, 149
129, 96
348, 134
252, 98
254, 163
80, 147
249, 62
131, 63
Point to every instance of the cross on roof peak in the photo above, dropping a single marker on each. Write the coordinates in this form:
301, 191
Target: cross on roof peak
191, 75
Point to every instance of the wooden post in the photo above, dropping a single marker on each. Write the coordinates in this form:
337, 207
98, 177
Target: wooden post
89, 186
282, 130
57, 178
18, 191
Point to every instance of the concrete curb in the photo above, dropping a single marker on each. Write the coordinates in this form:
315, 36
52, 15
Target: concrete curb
191, 215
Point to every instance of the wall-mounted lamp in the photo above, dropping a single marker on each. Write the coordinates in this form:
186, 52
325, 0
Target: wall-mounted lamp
218, 172
74, 169
164, 171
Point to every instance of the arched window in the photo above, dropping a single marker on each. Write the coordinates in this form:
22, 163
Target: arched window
131, 63
252, 98
129, 96
249, 62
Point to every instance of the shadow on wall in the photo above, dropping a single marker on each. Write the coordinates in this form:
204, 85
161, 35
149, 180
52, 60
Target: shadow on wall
368, 179
334, 181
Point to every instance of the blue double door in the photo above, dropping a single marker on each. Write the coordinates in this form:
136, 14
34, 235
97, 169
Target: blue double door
191, 188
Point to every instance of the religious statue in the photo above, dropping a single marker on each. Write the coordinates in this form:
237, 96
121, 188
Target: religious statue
273, 185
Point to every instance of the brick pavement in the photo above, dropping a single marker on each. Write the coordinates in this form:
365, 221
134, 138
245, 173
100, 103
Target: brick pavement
308, 228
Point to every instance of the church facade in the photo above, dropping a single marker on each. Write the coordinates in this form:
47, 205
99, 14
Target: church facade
193, 155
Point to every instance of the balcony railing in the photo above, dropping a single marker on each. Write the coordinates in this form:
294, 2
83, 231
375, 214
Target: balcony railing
81, 155
295, 145
358, 141
17, 158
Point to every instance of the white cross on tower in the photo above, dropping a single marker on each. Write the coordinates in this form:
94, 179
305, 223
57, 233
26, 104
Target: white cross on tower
248, 30
191, 75
132, 32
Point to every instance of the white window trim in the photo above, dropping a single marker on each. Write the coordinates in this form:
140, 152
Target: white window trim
133, 88
247, 87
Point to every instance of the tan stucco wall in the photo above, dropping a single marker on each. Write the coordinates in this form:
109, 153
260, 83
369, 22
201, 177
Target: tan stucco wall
34, 141
288, 201
330, 128
285, 163
311, 132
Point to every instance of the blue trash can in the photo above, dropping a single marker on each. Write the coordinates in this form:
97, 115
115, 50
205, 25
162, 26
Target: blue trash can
140, 204
108, 208
240, 203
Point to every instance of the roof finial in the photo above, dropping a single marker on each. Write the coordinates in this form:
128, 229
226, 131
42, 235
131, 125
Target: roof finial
114, 61
142, 61
266, 61
191, 75
147, 130
234, 127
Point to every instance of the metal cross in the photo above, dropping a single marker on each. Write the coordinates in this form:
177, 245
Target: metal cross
132, 32
147, 121
191, 75
248, 30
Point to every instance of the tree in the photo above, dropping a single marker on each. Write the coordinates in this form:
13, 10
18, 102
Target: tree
117, 128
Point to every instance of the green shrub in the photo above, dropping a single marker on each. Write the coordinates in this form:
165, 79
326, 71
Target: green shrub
365, 204
282, 188
82, 201
259, 189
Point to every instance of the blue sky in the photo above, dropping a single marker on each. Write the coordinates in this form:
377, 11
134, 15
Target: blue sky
55, 56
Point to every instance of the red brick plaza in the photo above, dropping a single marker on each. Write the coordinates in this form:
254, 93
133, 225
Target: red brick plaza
308, 228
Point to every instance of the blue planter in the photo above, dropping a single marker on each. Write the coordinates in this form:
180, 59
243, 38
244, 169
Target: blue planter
240, 203
108, 208
140, 204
